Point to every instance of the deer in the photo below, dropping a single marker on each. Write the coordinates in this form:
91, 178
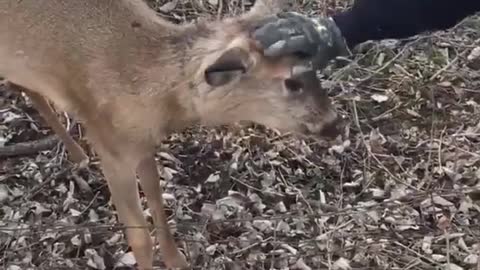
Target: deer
131, 78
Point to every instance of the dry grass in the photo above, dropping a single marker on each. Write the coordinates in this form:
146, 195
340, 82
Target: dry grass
399, 192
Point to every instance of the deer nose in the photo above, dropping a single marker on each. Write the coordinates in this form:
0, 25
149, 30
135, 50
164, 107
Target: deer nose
332, 129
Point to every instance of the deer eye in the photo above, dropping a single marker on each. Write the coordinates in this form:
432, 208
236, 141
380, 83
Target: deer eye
293, 86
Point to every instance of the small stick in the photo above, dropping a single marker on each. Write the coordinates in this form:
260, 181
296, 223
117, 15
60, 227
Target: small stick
29, 148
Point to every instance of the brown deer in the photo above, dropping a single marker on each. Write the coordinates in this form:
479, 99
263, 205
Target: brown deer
131, 78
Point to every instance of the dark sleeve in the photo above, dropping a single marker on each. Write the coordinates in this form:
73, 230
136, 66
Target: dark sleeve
382, 19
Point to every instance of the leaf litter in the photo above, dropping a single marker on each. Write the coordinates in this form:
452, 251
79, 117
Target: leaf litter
400, 192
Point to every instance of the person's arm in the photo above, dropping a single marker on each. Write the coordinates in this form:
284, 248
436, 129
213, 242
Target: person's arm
382, 19
322, 39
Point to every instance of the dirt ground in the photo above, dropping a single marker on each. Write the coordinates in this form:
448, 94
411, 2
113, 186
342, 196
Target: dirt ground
400, 191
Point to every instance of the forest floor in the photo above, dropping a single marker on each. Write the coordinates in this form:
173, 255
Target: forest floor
400, 191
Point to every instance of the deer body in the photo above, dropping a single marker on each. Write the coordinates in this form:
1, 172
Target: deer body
95, 67
132, 78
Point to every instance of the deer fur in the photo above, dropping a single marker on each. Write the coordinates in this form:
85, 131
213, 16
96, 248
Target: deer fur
131, 78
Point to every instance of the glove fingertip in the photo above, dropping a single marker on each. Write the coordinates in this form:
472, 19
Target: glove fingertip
276, 49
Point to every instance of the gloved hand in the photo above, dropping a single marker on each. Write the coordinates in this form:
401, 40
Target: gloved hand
317, 39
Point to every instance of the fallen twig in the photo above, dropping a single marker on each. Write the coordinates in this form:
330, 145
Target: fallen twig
29, 148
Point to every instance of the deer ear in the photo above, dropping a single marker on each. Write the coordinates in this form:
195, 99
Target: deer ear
230, 65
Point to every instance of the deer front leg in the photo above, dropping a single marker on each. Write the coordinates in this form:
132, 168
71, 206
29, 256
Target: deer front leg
119, 171
46, 111
150, 181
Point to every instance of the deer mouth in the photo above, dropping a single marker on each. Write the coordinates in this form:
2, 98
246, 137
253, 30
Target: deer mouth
328, 130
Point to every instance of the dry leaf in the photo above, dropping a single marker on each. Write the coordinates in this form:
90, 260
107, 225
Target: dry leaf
379, 98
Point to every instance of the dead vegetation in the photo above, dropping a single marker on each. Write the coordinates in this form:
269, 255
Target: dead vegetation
400, 191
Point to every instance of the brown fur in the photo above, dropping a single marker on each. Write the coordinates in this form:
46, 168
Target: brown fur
132, 78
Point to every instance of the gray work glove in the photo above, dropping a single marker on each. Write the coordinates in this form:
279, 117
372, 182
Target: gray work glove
289, 33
